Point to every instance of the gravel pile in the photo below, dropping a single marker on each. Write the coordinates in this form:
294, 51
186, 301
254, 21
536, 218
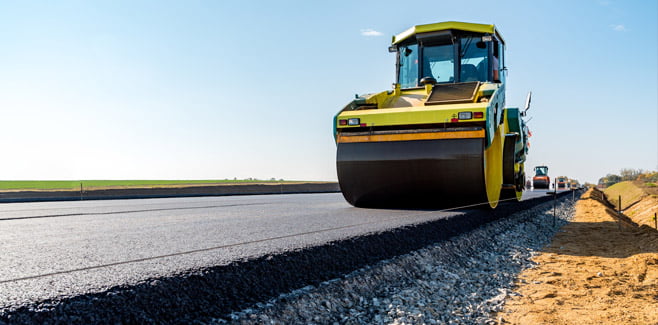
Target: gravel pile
459, 281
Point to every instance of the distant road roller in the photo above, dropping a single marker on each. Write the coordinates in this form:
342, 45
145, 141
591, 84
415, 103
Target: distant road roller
541, 178
442, 137
562, 182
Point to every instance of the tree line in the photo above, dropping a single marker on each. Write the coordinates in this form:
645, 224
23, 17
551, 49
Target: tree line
628, 174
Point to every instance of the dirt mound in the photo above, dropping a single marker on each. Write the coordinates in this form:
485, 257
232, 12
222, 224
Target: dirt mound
644, 211
639, 202
596, 271
629, 193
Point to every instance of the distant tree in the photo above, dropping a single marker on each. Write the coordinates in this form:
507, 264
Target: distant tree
629, 174
648, 176
612, 179
601, 181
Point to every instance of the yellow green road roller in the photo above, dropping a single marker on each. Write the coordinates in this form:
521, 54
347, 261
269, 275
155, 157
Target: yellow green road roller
442, 137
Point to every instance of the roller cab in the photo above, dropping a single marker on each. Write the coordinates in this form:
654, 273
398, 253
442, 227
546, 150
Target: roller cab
442, 136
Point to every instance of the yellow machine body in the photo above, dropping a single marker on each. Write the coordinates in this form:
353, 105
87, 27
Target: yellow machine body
442, 136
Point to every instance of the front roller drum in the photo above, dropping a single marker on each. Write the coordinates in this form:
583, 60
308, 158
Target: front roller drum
421, 173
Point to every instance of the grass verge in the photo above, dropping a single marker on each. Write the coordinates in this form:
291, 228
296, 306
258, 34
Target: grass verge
91, 184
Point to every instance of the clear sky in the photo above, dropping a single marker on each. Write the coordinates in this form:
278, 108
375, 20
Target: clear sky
224, 89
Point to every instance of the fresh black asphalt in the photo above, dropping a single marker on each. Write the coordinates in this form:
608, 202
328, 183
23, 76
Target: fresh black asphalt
183, 259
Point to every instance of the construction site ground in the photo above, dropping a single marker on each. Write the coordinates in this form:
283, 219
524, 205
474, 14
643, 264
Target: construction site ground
595, 271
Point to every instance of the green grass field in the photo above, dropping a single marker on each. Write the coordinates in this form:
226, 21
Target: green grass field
89, 184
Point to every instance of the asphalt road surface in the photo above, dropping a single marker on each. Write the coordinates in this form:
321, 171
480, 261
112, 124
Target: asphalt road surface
64, 249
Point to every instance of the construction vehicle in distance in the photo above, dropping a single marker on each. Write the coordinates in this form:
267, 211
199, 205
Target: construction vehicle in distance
541, 179
575, 184
562, 182
442, 137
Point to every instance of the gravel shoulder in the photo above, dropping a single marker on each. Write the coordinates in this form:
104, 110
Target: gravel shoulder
595, 271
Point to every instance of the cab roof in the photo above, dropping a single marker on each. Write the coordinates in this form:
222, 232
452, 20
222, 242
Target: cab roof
447, 25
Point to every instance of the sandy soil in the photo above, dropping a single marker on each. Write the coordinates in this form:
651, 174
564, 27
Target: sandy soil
595, 271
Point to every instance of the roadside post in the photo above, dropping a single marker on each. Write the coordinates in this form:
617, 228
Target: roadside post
554, 202
80, 191
619, 213
655, 220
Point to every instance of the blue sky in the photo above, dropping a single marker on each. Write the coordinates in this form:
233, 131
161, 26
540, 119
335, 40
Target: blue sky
219, 89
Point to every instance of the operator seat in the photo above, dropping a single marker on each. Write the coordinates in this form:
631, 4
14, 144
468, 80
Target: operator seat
468, 73
482, 70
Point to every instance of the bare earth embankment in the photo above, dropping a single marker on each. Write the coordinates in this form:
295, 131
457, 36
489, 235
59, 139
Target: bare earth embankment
595, 271
640, 209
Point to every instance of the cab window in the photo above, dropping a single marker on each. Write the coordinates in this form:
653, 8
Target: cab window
439, 63
474, 63
408, 65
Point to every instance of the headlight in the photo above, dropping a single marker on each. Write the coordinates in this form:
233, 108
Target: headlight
353, 121
465, 115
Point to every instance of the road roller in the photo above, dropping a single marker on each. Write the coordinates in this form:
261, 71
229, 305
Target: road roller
562, 182
541, 178
442, 137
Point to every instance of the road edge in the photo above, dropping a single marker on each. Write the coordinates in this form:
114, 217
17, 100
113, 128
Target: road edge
168, 192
